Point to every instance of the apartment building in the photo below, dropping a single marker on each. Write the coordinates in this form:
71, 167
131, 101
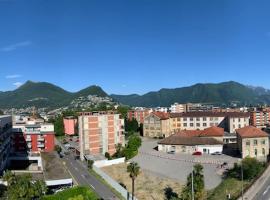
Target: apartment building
230, 121
5, 140
260, 119
70, 124
157, 124
178, 108
253, 142
139, 115
33, 137
100, 132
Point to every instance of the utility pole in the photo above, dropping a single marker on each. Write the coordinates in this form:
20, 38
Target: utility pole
242, 179
192, 185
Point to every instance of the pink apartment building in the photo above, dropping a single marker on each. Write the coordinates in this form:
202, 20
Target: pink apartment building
100, 132
70, 124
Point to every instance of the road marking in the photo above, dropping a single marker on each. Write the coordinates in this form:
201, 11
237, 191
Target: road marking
92, 186
264, 193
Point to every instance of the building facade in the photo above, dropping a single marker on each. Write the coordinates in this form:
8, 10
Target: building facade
33, 137
230, 121
157, 124
5, 140
253, 142
100, 132
260, 119
70, 124
139, 115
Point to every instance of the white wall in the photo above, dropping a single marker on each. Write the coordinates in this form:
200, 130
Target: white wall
104, 163
210, 148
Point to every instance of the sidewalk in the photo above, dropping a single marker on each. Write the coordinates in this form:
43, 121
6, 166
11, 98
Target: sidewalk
255, 188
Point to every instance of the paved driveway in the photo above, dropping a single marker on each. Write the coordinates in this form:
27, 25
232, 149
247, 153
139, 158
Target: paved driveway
178, 166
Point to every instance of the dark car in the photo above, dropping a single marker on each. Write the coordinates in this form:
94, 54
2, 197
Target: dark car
216, 153
171, 152
197, 153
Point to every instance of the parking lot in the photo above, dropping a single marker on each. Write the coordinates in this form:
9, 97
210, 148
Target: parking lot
178, 166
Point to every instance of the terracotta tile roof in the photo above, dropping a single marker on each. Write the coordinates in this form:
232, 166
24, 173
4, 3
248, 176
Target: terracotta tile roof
210, 114
251, 132
162, 115
189, 141
213, 131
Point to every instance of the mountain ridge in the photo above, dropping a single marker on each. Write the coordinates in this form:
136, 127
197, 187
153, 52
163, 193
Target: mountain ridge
44, 94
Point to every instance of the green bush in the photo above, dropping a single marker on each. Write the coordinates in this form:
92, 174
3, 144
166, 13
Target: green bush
73, 193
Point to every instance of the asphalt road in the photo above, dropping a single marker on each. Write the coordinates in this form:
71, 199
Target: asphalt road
264, 192
80, 173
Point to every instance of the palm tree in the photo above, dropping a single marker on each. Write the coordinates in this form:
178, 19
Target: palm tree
134, 169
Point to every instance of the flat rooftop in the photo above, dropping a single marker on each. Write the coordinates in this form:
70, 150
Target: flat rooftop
53, 167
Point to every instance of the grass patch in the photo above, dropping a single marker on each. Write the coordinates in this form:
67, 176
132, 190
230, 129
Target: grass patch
84, 193
92, 172
231, 186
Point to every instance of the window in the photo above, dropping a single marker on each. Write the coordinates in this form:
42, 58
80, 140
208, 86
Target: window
197, 119
263, 151
204, 124
185, 119
185, 124
255, 142
247, 143
178, 119
191, 124
255, 152
211, 118
198, 124
191, 119
216, 119
204, 119
239, 125
239, 119
263, 142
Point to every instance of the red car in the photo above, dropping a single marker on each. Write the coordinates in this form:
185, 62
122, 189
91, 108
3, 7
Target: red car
197, 153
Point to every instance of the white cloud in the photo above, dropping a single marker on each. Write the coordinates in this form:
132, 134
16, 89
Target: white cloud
15, 46
17, 84
13, 76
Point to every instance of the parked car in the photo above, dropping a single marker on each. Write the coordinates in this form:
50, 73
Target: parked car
216, 153
171, 152
197, 153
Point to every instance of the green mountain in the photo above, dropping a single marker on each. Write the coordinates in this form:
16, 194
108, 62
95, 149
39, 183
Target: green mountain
218, 94
42, 94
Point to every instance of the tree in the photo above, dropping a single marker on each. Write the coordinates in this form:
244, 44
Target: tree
198, 184
108, 156
122, 110
131, 150
23, 187
90, 164
119, 151
58, 125
251, 168
133, 169
131, 125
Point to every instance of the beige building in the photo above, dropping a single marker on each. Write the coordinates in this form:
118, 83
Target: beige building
253, 142
100, 132
230, 121
157, 124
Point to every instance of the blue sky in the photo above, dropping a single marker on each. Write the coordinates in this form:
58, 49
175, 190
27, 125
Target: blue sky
134, 46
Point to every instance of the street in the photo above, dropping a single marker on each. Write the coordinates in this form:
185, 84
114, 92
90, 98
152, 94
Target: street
264, 192
79, 172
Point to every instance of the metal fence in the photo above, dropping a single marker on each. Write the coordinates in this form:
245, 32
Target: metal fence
114, 184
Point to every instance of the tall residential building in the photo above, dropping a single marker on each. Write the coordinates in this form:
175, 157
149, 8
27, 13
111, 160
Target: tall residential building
253, 142
260, 119
139, 115
178, 108
100, 132
33, 137
70, 124
5, 140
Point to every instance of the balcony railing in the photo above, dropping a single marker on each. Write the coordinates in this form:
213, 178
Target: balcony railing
41, 139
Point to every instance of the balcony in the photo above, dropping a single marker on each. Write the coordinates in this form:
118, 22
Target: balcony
28, 139
41, 139
41, 145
